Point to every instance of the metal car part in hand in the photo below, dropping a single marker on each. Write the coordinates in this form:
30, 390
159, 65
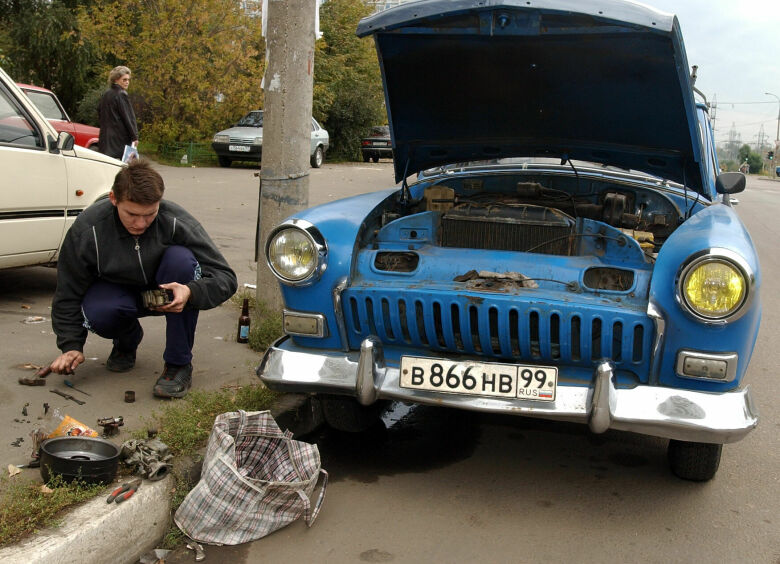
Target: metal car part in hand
156, 298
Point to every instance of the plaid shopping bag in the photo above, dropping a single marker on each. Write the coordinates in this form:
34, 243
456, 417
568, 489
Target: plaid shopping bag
255, 480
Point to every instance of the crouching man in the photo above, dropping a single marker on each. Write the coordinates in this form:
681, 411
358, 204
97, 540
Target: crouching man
118, 248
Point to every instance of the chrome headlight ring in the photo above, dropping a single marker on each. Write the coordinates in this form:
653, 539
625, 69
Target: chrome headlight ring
730, 258
319, 249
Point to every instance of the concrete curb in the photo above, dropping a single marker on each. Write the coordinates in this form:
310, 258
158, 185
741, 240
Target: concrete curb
98, 532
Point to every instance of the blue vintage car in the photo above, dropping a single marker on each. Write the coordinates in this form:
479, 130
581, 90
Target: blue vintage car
567, 252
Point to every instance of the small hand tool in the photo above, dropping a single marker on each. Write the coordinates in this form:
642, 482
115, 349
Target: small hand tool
67, 396
69, 384
38, 379
124, 492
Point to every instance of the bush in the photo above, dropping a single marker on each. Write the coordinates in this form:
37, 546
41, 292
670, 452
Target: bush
87, 109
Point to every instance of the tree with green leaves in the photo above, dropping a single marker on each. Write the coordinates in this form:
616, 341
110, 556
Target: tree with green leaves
348, 96
41, 43
753, 159
196, 65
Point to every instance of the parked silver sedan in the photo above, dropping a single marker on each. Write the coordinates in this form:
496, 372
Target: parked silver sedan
244, 141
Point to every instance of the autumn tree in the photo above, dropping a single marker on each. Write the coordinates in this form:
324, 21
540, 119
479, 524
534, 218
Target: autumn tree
348, 96
196, 65
41, 43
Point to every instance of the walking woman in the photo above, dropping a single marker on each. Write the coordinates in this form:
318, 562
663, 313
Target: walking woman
116, 116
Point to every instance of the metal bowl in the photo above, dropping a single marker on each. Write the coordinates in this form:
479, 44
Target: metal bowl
90, 460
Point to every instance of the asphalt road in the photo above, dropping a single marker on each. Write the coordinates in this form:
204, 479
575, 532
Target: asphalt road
433, 484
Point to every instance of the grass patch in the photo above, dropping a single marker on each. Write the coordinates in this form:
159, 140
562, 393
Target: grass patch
266, 324
25, 509
185, 425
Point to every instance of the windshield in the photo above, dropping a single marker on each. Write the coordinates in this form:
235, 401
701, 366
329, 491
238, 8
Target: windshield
534, 162
47, 104
252, 119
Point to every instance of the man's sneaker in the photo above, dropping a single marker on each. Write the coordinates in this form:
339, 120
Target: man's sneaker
174, 382
120, 361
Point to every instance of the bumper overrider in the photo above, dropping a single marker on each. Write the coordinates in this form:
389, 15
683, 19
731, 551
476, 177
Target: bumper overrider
671, 413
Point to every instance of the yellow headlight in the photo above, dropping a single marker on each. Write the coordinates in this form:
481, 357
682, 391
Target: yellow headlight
714, 289
292, 255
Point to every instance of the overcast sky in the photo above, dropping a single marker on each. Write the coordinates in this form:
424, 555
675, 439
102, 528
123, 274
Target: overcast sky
736, 44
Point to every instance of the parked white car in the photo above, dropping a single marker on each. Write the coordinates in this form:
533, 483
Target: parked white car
47, 180
244, 141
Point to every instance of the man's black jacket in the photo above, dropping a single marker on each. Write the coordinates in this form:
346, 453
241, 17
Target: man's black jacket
117, 122
97, 246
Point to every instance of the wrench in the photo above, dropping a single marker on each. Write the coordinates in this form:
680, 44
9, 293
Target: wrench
67, 396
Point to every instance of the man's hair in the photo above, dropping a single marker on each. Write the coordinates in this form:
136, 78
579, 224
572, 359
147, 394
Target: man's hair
138, 183
117, 73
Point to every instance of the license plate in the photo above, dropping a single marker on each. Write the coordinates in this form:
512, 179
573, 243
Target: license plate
239, 148
514, 381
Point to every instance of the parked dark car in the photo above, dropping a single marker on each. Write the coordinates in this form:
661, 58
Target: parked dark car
244, 141
377, 145
568, 250
50, 106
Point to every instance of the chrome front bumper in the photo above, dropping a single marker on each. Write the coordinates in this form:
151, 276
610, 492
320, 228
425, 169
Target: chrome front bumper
684, 415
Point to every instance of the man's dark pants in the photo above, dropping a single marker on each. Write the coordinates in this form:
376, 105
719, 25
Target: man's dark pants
112, 310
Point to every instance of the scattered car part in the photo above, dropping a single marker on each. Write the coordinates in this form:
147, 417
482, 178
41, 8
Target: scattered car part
88, 459
129, 396
200, 555
151, 458
111, 425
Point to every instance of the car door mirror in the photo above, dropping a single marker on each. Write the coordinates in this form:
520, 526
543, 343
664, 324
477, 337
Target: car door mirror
730, 183
65, 141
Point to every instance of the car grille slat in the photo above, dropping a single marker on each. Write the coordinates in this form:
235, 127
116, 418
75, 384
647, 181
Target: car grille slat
497, 328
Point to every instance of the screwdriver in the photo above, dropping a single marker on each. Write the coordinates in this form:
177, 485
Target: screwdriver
69, 384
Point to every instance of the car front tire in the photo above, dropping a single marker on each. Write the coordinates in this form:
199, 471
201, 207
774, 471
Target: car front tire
697, 462
224, 161
346, 414
317, 158
375, 159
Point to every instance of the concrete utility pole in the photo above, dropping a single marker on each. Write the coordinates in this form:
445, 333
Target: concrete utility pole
284, 178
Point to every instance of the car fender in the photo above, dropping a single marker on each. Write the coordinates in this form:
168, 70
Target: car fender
716, 227
339, 223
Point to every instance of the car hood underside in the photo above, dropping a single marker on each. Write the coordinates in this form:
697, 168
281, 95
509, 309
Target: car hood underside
472, 80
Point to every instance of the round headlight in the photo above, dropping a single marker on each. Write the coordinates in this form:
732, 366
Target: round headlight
714, 288
292, 255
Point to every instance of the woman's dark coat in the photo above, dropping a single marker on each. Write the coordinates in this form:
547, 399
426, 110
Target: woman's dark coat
117, 122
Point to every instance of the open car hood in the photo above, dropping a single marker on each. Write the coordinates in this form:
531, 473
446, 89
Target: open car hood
605, 81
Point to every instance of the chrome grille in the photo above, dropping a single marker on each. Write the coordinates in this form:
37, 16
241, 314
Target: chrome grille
497, 327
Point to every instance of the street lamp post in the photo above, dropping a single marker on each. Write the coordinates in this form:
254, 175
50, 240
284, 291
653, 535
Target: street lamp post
777, 134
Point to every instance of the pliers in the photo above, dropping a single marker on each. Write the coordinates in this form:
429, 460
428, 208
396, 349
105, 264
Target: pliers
124, 492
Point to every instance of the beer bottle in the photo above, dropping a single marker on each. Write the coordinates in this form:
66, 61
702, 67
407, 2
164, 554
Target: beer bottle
243, 323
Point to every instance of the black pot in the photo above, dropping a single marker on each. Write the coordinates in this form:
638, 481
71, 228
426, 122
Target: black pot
93, 461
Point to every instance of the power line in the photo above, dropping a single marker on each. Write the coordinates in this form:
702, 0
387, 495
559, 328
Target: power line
745, 103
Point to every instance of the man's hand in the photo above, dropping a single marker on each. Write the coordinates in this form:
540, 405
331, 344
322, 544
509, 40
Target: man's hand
181, 295
67, 362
